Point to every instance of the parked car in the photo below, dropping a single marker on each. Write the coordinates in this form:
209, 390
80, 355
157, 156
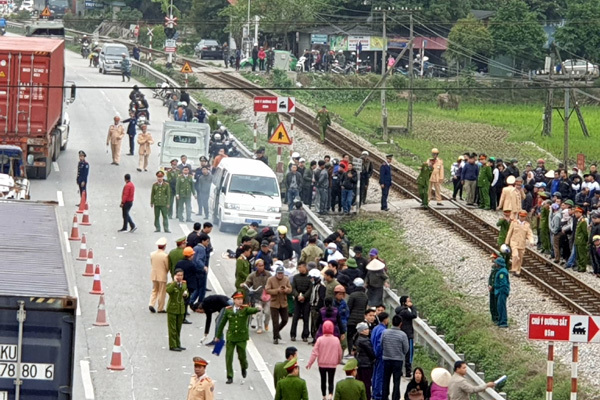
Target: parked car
110, 57
580, 67
207, 48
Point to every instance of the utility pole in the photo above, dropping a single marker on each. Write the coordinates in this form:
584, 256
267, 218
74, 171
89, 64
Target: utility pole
384, 113
567, 118
409, 119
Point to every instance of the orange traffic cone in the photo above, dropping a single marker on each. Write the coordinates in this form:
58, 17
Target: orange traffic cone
89, 266
83, 249
101, 316
82, 203
86, 218
97, 287
116, 362
75, 230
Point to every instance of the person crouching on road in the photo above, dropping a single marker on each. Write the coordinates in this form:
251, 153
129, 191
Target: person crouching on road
178, 293
237, 333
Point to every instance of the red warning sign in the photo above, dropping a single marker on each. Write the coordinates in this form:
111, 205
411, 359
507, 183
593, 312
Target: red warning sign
564, 328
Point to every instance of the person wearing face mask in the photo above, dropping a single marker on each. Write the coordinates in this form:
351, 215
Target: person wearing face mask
332, 252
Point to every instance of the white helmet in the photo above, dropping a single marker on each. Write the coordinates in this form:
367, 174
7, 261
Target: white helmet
222, 128
505, 249
184, 103
282, 230
217, 136
295, 155
314, 273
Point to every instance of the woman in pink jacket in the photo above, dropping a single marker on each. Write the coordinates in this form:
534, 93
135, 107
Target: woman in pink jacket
328, 353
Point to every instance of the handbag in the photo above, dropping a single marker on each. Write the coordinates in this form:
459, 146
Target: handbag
416, 395
264, 297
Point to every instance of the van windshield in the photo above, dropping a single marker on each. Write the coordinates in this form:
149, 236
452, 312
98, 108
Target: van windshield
258, 185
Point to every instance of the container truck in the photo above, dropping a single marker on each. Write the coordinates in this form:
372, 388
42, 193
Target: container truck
33, 100
37, 304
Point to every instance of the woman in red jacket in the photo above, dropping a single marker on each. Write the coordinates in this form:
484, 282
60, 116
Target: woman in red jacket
262, 55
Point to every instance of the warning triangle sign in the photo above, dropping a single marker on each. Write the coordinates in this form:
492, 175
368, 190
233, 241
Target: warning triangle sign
46, 13
280, 136
186, 69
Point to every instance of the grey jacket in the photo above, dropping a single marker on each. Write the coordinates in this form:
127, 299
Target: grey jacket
460, 389
322, 179
394, 343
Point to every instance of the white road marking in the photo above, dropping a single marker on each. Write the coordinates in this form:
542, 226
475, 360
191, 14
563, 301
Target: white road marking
59, 197
88, 387
259, 361
55, 167
67, 244
78, 312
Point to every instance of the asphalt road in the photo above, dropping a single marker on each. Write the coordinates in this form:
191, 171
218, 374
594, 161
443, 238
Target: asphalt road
151, 370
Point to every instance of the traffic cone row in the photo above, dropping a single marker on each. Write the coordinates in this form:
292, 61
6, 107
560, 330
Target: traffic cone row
116, 362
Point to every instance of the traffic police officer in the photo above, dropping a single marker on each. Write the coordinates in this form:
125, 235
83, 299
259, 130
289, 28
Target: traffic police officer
292, 387
184, 189
350, 388
201, 386
83, 169
324, 121
178, 292
172, 175
237, 333
159, 199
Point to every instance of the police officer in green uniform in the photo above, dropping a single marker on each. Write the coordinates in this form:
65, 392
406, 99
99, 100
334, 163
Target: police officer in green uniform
184, 190
237, 333
279, 371
178, 292
172, 175
501, 290
272, 120
176, 254
292, 387
324, 121
350, 388
484, 181
159, 199
423, 181
491, 279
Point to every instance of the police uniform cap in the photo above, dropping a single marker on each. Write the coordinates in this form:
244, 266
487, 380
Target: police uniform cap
522, 213
160, 173
389, 155
290, 365
161, 242
510, 180
181, 240
199, 361
352, 364
203, 158
82, 153
238, 295
596, 237
435, 151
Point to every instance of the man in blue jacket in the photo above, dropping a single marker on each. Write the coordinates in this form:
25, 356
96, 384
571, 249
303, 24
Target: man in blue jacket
376, 336
385, 180
200, 263
468, 177
131, 131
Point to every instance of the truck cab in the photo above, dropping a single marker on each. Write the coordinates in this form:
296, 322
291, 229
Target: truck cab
189, 138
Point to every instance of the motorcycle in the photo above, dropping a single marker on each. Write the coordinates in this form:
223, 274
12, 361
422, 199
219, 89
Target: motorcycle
163, 92
85, 50
363, 69
348, 69
96, 57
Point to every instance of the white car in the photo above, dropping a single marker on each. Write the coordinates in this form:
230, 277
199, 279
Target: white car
580, 67
26, 5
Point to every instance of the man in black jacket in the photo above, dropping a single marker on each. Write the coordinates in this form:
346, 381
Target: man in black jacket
210, 305
301, 291
317, 300
357, 304
284, 246
408, 313
365, 356
365, 175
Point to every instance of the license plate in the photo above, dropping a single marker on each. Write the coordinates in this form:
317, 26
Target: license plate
35, 371
212, 48
250, 220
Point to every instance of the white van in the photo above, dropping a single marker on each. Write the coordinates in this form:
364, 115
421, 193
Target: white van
179, 138
245, 191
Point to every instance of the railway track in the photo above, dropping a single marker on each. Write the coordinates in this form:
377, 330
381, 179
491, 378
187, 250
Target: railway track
551, 278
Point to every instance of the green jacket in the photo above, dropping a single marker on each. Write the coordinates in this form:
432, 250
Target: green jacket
243, 232
492, 276
581, 233
212, 121
172, 179
323, 118
424, 175
242, 270
272, 119
291, 388
279, 372
238, 324
504, 225
177, 296
350, 389
485, 177
544, 221
175, 256
185, 186
160, 195
501, 282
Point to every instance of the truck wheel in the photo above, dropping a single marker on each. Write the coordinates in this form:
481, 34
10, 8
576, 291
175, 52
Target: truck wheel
56, 146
